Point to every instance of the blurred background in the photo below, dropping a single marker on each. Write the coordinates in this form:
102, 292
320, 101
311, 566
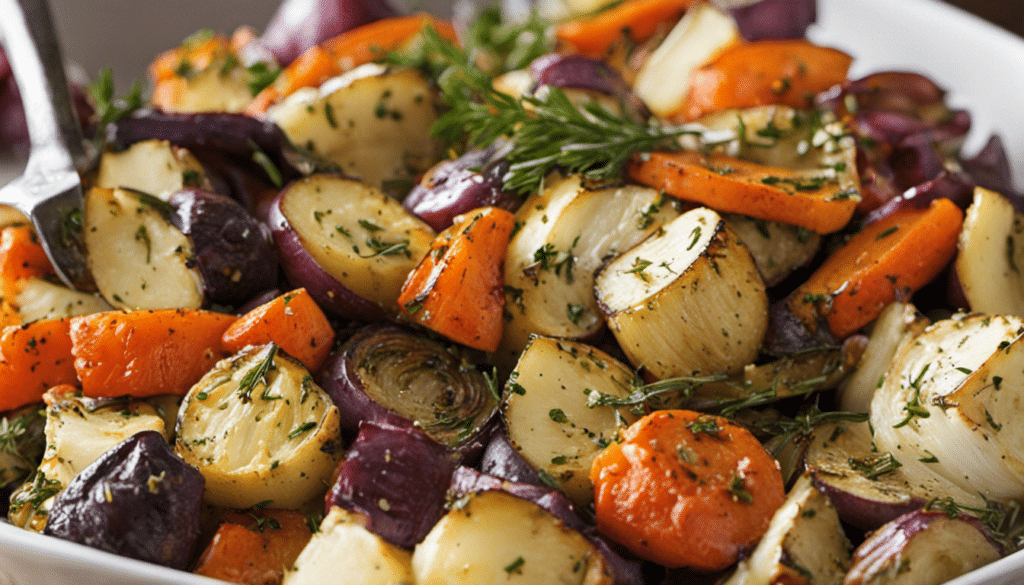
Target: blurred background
97, 33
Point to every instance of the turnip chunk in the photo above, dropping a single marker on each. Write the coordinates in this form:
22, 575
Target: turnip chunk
343, 547
495, 537
687, 301
375, 479
922, 548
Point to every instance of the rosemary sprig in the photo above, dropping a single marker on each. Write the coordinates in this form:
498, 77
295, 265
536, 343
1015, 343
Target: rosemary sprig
547, 132
257, 375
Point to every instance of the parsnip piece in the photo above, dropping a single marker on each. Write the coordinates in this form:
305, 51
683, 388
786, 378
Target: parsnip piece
494, 537
663, 81
372, 121
344, 546
567, 231
156, 167
991, 255
950, 405
137, 258
549, 411
805, 543
259, 429
898, 324
687, 301
364, 239
42, 299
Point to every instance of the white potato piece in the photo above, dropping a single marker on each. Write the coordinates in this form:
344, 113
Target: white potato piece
663, 81
42, 299
687, 301
950, 405
156, 167
259, 429
991, 255
550, 414
566, 232
898, 324
805, 543
217, 88
373, 122
361, 237
493, 537
137, 258
345, 548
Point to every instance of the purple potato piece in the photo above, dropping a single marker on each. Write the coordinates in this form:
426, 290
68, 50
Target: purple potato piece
775, 19
923, 548
138, 500
863, 509
376, 475
302, 270
467, 481
454, 187
501, 460
955, 186
240, 179
298, 25
787, 334
232, 249
387, 374
235, 134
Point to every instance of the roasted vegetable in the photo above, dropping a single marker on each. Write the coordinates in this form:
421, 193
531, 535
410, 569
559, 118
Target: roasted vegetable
387, 374
260, 430
138, 500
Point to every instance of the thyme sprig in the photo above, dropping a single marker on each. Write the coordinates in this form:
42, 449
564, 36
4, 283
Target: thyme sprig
548, 131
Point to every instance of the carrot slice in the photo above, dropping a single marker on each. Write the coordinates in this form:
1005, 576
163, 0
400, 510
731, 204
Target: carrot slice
788, 72
33, 358
346, 51
255, 548
734, 185
21, 257
8, 315
145, 353
889, 259
633, 20
293, 321
456, 290
685, 489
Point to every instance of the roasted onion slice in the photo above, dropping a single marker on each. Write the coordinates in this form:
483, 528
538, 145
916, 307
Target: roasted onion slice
387, 374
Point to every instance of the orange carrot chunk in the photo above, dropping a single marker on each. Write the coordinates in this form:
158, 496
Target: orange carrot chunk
456, 290
733, 185
33, 358
346, 51
8, 315
685, 489
21, 257
145, 353
788, 72
889, 259
293, 321
254, 549
632, 20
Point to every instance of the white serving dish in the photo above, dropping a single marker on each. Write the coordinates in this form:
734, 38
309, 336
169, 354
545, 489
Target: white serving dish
981, 65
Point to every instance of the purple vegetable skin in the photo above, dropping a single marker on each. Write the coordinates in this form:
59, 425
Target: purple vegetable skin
398, 478
501, 460
138, 500
300, 24
775, 19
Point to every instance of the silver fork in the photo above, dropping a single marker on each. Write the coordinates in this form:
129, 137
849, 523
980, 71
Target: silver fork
50, 190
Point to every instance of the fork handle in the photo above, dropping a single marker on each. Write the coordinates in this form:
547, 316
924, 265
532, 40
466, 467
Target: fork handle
35, 58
